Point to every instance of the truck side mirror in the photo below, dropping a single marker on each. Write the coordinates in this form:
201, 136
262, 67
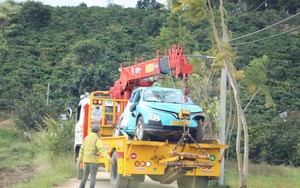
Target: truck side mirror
132, 107
70, 112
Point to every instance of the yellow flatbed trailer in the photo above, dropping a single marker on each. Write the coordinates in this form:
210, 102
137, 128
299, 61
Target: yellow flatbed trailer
162, 161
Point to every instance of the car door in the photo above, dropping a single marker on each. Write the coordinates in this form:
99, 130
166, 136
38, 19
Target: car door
134, 110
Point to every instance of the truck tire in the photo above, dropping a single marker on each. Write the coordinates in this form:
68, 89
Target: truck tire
116, 180
79, 170
139, 132
192, 182
155, 177
135, 181
199, 133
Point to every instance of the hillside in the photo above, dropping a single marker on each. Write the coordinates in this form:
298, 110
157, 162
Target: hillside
79, 49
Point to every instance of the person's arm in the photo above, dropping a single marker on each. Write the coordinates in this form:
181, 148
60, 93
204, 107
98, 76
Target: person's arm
80, 158
102, 150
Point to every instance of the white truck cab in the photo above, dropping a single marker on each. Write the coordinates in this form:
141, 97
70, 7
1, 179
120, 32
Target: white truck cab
82, 110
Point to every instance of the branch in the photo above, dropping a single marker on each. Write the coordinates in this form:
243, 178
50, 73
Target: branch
251, 99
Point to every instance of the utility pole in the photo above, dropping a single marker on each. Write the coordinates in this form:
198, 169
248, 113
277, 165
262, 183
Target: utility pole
223, 120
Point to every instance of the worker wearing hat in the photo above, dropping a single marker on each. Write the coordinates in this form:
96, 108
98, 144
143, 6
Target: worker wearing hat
89, 154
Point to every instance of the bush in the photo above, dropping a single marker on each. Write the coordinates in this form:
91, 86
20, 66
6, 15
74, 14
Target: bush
57, 138
9, 136
283, 141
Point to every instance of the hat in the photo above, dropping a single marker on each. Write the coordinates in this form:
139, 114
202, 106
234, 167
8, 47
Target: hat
95, 128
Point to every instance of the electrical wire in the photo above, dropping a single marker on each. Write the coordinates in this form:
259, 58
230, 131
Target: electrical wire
260, 5
265, 28
267, 37
254, 4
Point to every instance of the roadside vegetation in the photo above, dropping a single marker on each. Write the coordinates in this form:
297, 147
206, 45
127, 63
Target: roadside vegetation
75, 50
39, 159
263, 176
33, 163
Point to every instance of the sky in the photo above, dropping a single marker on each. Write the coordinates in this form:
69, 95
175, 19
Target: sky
102, 3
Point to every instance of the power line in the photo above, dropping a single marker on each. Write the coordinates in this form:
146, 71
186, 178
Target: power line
259, 6
264, 28
254, 4
267, 37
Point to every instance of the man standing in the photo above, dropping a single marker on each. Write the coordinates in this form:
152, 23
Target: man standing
89, 154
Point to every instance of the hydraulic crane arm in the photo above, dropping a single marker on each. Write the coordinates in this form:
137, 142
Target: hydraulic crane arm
145, 73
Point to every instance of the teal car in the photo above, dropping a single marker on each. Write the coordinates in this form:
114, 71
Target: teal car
153, 113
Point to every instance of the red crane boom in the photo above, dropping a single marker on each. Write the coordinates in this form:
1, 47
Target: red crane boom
145, 73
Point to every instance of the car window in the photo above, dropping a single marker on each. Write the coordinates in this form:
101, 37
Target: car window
166, 96
151, 96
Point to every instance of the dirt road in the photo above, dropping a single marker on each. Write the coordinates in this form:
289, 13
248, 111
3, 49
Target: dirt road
103, 182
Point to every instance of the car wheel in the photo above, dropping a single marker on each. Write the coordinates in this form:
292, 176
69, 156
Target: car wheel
139, 132
199, 133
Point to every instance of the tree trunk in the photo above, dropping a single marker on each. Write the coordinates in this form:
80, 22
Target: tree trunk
242, 124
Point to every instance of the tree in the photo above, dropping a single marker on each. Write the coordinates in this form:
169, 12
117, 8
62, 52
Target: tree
8, 9
145, 4
35, 14
193, 11
256, 77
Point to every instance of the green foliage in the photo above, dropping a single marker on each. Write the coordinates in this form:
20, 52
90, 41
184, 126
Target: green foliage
255, 77
283, 141
7, 9
263, 176
289, 6
35, 14
146, 4
57, 138
33, 110
8, 137
50, 173
79, 49
40, 159
256, 73
193, 10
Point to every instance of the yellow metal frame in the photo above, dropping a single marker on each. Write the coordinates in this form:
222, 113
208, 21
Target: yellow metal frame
104, 96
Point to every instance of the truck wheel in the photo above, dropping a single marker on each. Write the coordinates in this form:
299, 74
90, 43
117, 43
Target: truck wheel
139, 132
135, 182
116, 180
79, 170
199, 133
155, 177
192, 182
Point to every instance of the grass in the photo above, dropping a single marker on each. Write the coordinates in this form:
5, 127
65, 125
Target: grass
31, 164
263, 176
51, 173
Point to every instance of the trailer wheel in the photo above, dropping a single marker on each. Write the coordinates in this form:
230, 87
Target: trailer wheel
79, 170
116, 180
155, 177
192, 182
199, 133
135, 182
139, 132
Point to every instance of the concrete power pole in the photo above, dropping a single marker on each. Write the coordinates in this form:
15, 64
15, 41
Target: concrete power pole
223, 120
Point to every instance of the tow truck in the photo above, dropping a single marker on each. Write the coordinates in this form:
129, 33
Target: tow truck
190, 163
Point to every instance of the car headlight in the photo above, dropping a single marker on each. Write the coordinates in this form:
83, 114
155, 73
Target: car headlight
153, 117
